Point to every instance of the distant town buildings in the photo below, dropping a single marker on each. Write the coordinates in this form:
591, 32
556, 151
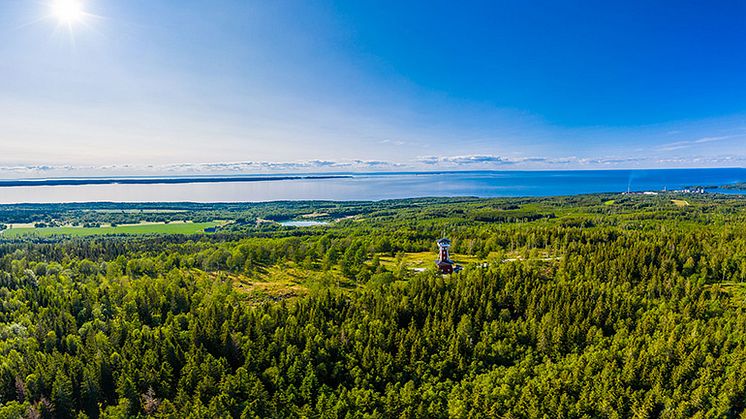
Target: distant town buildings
692, 190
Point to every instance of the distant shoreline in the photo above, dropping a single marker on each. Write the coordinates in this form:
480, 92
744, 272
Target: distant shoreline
157, 181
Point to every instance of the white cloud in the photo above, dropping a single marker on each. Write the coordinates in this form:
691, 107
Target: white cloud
474, 159
679, 145
193, 168
393, 142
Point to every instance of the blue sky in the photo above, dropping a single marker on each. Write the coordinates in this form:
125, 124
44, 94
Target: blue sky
146, 86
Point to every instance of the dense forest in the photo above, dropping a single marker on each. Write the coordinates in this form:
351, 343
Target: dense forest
588, 306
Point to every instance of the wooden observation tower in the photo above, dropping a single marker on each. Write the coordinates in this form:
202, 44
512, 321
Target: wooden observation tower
444, 262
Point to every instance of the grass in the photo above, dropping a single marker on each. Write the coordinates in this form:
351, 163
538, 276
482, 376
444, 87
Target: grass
287, 281
680, 202
173, 228
270, 286
425, 259
290, 280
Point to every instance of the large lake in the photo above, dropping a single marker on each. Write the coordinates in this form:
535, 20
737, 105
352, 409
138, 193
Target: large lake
386, 186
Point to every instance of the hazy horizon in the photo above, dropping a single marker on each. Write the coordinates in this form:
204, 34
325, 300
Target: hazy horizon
278, 174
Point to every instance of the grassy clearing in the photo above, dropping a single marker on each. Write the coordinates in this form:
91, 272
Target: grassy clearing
315, 215
260, 288
135, 229
425, 259
287, 282
680, 202
610, 202
290, 280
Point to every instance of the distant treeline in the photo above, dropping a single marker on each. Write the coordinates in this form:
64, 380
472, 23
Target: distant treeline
732, 186
741, 186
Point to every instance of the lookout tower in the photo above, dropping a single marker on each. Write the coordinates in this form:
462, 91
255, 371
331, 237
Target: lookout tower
444, 262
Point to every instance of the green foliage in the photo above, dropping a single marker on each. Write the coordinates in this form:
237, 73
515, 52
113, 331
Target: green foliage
740, 186
634, 309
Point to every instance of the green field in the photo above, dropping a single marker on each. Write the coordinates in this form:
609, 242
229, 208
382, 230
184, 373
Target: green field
175, 228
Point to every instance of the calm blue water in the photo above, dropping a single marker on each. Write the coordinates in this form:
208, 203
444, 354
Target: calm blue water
388, 186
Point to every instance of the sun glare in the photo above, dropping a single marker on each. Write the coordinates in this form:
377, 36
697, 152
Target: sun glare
68, 11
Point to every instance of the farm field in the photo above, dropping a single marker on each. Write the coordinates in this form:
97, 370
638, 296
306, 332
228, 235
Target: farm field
150, 228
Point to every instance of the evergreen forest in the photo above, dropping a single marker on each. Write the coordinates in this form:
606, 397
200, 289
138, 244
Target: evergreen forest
567, 307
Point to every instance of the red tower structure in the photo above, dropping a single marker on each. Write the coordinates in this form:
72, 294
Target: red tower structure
444, 262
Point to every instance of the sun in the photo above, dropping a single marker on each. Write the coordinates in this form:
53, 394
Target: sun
68, 11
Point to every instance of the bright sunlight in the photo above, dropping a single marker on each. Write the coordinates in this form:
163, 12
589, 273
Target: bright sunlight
68, 11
